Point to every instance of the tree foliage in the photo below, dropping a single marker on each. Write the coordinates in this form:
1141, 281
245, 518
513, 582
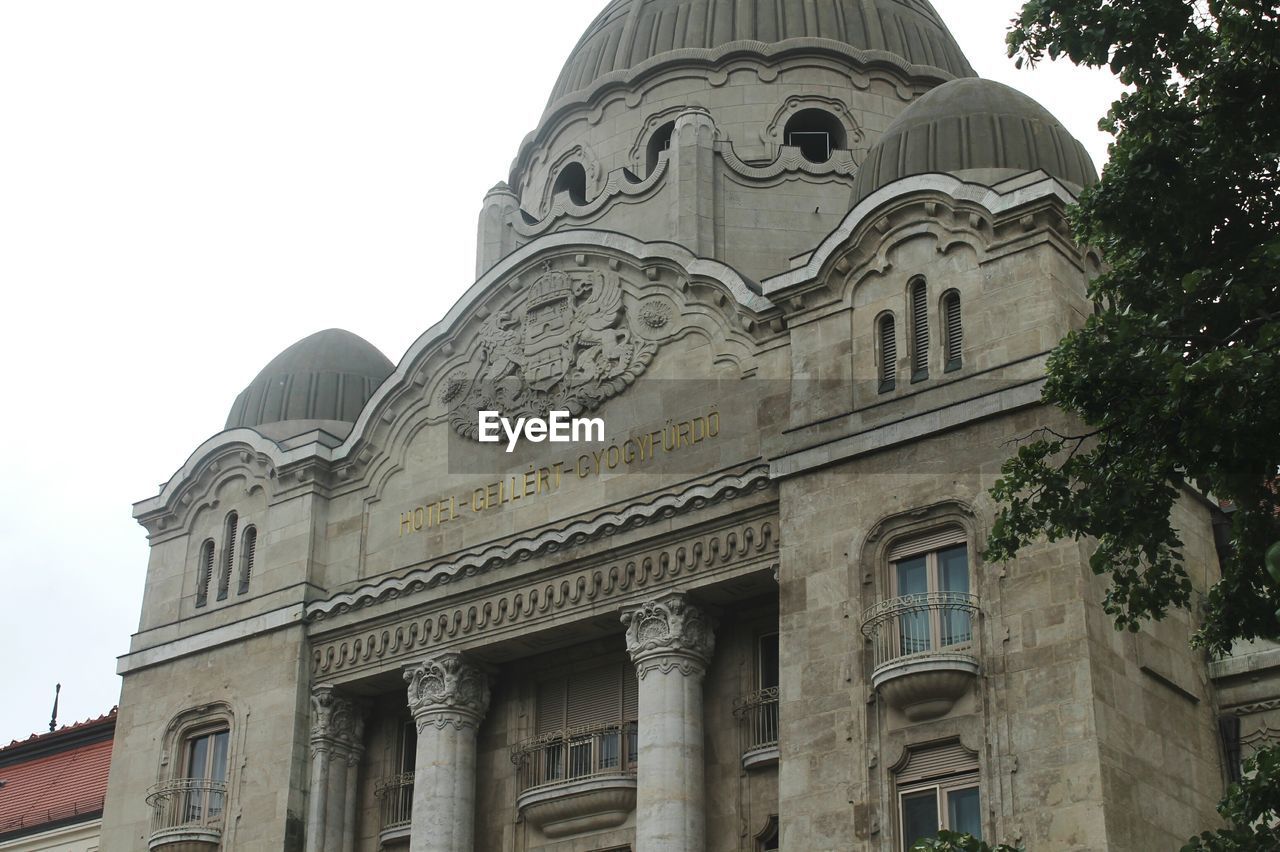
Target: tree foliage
1176, 377
1250, 809
949, 841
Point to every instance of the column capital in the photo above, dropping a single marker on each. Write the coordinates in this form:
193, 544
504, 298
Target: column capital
447, 690
336, 720
669, 633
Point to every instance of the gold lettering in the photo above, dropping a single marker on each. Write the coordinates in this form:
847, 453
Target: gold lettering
558, 469
628, 451
682, 434
713, 424
581, 473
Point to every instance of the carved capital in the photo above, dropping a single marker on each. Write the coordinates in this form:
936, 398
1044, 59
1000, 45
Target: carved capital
669, 633
447, 690
337, 723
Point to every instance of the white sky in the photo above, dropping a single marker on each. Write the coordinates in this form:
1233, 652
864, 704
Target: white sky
186, 189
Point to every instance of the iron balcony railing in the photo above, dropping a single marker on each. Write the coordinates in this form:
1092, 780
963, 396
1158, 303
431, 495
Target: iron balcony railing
187, 803
758, 714
936, 625
574, 754
395, 801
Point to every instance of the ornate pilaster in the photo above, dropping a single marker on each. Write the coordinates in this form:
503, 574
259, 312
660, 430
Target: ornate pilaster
670, 641
337, 745
448, 698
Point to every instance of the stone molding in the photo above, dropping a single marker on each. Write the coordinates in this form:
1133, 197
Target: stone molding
751, 541
620, 184
337, 724
669, 633
549, 540
446, 690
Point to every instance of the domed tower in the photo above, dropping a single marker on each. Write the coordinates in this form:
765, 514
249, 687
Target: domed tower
734, 129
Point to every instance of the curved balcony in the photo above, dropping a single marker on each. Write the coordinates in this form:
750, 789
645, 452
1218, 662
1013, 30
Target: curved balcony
581, 779
395, 806
757, 713
924, 651
186, 815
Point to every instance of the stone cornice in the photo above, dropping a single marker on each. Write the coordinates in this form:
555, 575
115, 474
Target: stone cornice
744, 544
476, 562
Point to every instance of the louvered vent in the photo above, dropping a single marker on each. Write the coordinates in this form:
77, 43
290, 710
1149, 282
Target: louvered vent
925, 543
954, 331
247, 554
204, 574
228, 555
888, 353
919, 332
604, 695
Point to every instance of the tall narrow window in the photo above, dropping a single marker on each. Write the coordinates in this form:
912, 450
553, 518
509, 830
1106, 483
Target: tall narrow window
248, 550
938, 789
888, 344
934, 571
952, 332
228, 555
206, 771
204, 572
919, 331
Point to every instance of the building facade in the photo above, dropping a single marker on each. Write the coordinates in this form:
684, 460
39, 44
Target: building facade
53, 786
806, 269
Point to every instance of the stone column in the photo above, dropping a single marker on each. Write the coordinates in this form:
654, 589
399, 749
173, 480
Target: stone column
448, 697
670, 641
337, 730
691, 161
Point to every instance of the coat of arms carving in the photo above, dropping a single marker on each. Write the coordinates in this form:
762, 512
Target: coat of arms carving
570, 347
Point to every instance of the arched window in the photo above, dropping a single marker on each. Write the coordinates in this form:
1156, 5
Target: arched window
952, 333
816, 132
573, 180
228, 555
919, 297
660, 141
887, 343
204, 572
248, 550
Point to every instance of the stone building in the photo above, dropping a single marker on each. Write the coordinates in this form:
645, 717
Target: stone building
806, 267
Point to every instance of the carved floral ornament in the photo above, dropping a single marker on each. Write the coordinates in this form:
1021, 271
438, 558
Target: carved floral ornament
336, 721
669, 633
574, 340
447, 690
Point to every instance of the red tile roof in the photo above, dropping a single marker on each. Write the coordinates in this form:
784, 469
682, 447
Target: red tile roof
55, 777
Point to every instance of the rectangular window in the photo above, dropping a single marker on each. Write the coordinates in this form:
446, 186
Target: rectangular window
927, 578
952, 805
206, 768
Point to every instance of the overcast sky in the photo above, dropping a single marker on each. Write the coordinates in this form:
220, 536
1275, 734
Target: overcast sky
186, 189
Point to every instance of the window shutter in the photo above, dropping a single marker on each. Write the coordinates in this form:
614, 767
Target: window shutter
954, 332
203, 578
550, 710
595, 697
228, 555
932, 540
248, 552
938, 761
919, 331
888, 353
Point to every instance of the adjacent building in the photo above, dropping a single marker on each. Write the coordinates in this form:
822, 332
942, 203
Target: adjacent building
806, 267
52, 788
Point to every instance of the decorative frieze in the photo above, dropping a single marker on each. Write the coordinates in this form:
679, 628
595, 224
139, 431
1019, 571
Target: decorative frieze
669, 633
748, 544
447, 690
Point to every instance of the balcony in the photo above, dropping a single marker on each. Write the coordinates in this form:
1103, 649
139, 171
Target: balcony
395, 806
186, 815
582, 779
924, 651
757, 713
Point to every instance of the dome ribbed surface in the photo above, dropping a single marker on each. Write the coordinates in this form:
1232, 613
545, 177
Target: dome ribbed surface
327, 376
974, 124
630, 32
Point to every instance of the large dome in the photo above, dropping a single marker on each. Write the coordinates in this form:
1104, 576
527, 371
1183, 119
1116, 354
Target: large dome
628, 33
974, 125
321, 380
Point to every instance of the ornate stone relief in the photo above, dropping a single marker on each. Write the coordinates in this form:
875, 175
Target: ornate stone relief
746, 545
337, 724
669, 633
570, 344
447, 690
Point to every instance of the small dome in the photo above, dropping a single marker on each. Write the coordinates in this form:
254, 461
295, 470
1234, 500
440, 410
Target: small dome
628, 33
974, 124
321, 379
